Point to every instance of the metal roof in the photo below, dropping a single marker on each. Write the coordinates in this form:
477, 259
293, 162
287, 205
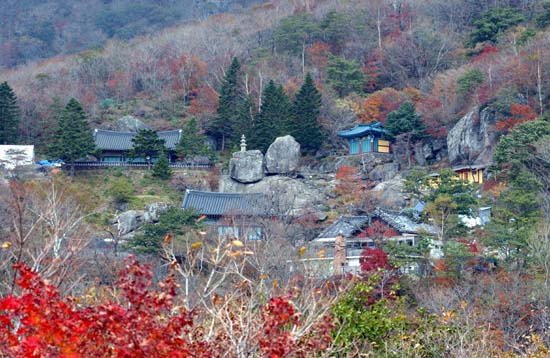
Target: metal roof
361, 130
350, 225
116, 140
219, 204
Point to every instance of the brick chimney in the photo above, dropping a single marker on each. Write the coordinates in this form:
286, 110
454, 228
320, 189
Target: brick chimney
339, 254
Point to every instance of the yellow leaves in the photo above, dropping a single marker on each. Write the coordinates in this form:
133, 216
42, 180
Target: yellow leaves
447, 316
275, 283
263, 276
196, 245
6, 245
237, 243
302, 251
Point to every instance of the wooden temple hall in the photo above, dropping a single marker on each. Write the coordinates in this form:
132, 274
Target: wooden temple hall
366, 138
116, 145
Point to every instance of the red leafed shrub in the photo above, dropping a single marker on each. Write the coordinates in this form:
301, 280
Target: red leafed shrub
374, 260
142, 322
520, 113
281, 322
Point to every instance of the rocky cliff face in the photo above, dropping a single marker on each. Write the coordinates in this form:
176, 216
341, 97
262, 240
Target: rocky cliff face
473, 138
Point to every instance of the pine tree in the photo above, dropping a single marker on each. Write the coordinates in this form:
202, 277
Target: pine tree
273, 119
162, 169
406, 124
305, 126
9, 115
146, 145
73, 138
230, 100
192, 142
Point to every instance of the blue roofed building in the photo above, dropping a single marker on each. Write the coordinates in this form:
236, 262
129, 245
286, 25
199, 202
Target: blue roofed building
366, 138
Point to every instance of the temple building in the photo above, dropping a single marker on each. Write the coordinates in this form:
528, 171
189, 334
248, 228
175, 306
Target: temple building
366, 138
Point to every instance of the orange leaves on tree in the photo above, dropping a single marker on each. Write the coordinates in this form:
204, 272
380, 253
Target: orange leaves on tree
318, 54
520, 113
379, 104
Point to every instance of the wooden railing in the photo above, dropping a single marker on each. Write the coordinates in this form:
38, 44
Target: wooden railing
99, 165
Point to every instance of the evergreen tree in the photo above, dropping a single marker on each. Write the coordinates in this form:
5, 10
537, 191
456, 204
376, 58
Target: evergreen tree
404, 120
305, 126
162, 169
73, 138
230, 101
344, 76
406, 124
146, 145
9, 115
273, 119
192, 142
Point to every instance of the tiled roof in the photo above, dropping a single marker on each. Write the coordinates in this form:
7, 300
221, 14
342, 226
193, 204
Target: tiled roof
347, 225
350, 225
403, 223
219, 204
115, 140
362, 129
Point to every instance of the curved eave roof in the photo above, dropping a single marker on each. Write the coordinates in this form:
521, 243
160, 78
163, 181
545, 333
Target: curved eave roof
362, 130
115, 140
220, 204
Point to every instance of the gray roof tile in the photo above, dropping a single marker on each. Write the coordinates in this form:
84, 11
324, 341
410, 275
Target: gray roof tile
350, 225
115, 140
218, 204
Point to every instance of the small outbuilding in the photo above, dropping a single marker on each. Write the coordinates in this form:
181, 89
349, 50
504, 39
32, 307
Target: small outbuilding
366, 138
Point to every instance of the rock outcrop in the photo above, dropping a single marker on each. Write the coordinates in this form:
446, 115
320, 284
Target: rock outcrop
282, 156
473, 138
390, 193
384, 172
247, 167
129, 124
154, 211
427, 152
288, 196
129, 221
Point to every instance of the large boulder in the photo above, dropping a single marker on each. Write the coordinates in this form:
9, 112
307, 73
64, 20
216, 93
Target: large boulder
129, 124
384, 172
390, 193
282, 156
473, 138
286, 196
247, 167
154, 211
129, 221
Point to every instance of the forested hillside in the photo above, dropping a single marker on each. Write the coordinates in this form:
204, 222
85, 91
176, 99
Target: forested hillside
35, 30
366, 57
371, 178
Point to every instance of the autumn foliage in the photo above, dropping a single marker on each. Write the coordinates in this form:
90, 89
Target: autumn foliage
520, 113
135, 320
138, 322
